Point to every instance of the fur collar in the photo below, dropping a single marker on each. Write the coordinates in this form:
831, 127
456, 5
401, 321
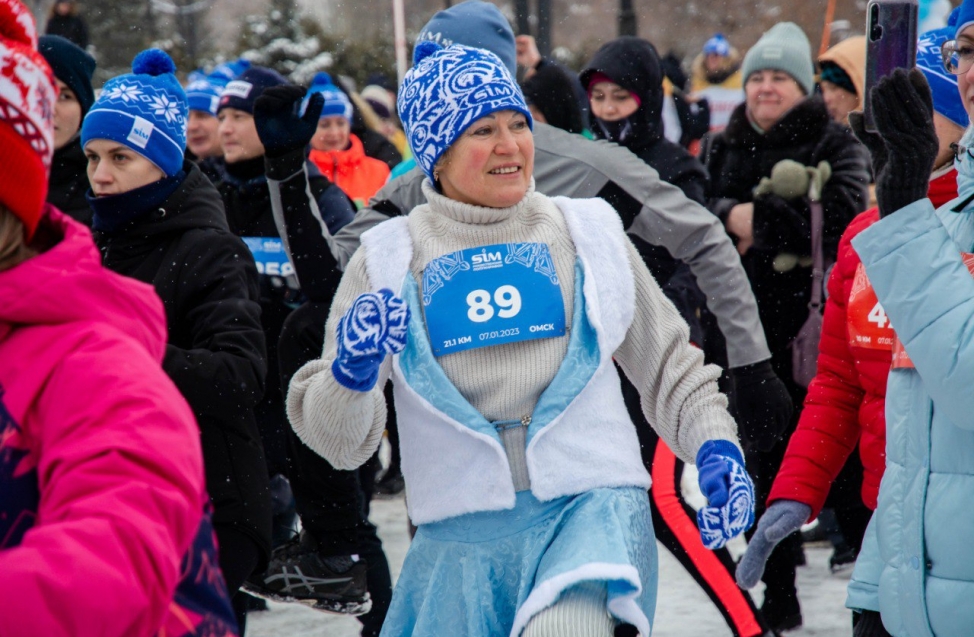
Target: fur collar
805, 122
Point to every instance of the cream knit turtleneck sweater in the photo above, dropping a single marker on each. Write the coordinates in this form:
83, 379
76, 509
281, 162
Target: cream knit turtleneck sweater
679, 393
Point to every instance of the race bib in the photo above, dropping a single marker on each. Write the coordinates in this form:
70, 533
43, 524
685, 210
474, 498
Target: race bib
901, 360
270, 256
868, 325
492, 295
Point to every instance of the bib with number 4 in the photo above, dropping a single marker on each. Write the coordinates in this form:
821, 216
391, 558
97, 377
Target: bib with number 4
492, 295
868, 324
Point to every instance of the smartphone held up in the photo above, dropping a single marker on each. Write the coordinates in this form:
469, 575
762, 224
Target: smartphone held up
891, 43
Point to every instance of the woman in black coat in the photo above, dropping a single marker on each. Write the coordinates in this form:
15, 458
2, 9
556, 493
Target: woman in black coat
158, 219
781, 119
625, 87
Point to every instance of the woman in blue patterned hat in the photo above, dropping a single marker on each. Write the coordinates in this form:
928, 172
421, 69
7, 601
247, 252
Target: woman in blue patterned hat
498, 312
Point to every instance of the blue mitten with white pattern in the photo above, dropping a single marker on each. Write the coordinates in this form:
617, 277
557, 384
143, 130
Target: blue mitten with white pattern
374, 326
729, 492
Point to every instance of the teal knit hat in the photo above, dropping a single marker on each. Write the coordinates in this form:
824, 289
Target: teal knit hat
783, 47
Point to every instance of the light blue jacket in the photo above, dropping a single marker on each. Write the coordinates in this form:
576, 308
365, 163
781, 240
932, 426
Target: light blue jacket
917, 563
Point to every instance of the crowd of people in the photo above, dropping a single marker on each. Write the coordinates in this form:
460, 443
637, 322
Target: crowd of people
550, 290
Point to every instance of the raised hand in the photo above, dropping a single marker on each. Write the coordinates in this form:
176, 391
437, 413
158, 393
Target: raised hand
280, 125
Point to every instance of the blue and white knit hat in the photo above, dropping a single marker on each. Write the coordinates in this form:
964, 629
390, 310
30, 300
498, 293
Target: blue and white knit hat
473, 23
962, 17
717, 45
943, 85
446, 91
145, 110
229, 71
336, 102
204, 91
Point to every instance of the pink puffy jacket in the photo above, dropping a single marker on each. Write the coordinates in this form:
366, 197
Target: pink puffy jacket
102, 498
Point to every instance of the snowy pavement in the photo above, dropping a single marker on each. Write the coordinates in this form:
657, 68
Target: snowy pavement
683, 610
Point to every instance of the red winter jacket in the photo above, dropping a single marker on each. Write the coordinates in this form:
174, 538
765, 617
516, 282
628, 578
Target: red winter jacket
845, 401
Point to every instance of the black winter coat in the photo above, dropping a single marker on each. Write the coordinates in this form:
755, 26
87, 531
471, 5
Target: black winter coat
633, 64
738, 158
69, 182
215, 355
249, 214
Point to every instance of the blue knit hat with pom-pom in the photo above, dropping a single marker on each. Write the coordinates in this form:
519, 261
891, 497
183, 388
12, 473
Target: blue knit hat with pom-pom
446, 91
145, 110
336, 102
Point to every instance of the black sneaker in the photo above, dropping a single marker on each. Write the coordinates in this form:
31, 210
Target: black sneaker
390, 485
782, 613
843, 558
297, 573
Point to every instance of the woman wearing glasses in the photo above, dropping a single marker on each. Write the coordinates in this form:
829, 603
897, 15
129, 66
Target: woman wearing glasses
915, 573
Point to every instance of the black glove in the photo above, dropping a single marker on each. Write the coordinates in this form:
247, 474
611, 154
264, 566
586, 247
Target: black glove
868, 624
872, 141
903, 110
280, 128
761, 404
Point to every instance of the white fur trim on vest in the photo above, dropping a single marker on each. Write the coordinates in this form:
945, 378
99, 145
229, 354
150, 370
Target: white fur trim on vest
595, 431
450, 469
388, 252
610, 291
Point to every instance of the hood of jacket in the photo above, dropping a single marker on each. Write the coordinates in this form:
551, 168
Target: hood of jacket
850, 56
633, 64
68, 284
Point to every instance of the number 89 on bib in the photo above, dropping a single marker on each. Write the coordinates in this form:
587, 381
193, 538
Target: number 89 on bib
492, 295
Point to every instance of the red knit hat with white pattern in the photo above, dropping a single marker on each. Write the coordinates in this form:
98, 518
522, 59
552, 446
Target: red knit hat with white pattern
27, 96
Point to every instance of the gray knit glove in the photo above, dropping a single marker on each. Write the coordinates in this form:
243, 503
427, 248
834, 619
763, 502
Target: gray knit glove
780, 520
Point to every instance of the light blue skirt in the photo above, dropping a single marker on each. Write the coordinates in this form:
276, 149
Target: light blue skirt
487, 574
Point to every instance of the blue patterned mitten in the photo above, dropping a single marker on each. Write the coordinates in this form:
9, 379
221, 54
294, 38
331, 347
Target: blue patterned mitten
729, 492
374, 326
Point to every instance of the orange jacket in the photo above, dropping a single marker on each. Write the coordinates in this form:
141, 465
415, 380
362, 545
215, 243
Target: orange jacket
358, 175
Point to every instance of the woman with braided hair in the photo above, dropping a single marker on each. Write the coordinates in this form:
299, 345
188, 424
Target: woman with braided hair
498, 312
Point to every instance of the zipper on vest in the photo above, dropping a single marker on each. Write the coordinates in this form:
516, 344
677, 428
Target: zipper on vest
504, 425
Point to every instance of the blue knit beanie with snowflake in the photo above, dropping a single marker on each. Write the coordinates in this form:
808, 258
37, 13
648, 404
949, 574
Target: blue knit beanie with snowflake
336, 102
145, 110
446, 91
203, 93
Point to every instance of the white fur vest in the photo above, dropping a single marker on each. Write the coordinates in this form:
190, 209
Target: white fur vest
580, 437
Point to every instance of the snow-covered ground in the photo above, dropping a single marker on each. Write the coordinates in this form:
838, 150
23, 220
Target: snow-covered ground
683, 610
